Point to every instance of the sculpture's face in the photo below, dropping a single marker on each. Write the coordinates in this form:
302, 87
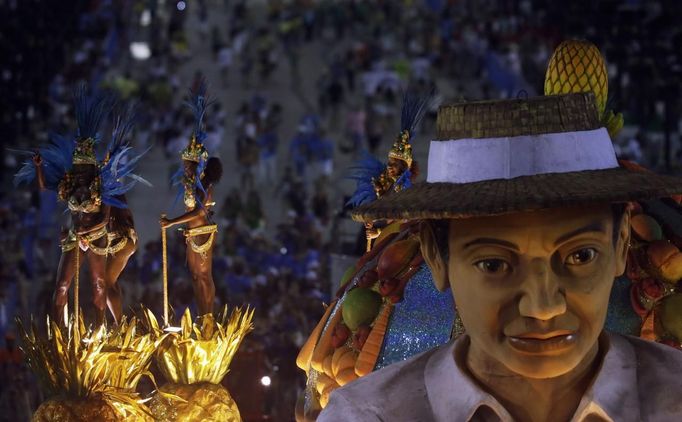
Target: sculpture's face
395, 168
532, 288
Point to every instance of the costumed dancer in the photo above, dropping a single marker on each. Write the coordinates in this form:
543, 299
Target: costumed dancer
89, 189
121, 226
196, 180
375, 179
386, 309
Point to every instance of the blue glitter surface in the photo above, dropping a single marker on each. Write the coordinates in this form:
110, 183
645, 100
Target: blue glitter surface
422, 321
620, 317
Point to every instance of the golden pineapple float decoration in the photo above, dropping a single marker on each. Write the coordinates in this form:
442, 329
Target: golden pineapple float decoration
89, 374
578, 66
194, 361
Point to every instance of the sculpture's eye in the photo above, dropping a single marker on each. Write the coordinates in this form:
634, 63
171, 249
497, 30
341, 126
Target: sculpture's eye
581, 256
492, 266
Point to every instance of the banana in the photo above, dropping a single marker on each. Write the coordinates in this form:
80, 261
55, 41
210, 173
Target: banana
346, 375
324, 381
340, 351
324, 347
327, 365
347, 360
306, 353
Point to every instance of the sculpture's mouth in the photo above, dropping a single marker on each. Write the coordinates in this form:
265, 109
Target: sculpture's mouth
543, 342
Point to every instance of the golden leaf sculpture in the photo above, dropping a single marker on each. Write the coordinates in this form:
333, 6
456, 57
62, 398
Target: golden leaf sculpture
194, 361
91, 374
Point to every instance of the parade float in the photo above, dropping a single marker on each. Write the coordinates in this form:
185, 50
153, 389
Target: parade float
91, 371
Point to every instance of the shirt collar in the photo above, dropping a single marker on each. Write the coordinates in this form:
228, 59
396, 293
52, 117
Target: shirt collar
613, 395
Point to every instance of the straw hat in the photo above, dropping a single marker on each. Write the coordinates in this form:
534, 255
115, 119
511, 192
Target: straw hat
498, 157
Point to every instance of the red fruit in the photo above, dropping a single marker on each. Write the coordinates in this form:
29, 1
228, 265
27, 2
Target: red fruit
386, 287
671, 343
632, 269
634, 301
396, 298
651, 288
635, 208
368, 279
360, 337
677, 241
396, 258
340, 335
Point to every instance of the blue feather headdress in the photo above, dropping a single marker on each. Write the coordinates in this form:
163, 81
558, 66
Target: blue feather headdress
371, 174
91, 109
364, 173
57, 157
195, 151
119, 161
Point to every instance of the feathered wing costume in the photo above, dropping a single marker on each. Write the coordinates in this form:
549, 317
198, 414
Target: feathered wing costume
63, 151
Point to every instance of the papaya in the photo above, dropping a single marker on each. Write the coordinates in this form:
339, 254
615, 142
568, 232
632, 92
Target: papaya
646, 228
396, 257
666, 260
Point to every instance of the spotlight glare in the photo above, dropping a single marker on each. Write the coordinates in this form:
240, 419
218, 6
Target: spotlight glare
140, 50
146, 17
181, 5
266, 381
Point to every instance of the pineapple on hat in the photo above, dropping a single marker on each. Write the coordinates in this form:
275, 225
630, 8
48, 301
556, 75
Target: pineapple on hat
578, 66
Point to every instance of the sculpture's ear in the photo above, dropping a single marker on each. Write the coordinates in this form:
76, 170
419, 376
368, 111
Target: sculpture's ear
433, 256
622, 243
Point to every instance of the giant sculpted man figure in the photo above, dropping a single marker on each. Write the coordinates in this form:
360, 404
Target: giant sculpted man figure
525, 218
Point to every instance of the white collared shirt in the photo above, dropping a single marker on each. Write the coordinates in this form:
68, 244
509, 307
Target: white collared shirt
638, 381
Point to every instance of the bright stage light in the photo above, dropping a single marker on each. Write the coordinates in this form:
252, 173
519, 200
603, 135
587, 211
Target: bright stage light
140, 50
146, 17
181, 5
266, 381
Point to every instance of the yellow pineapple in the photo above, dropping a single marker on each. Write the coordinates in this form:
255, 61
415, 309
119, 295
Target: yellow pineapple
194, 361
89, 373
578, 66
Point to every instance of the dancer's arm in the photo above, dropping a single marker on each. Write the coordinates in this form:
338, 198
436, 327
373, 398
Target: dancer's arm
40, 176
196, 212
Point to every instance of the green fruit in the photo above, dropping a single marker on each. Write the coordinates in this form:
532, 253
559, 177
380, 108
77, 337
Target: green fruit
347, 275
360, 307
671, 315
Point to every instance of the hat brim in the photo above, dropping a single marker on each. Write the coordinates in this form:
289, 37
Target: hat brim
526, 193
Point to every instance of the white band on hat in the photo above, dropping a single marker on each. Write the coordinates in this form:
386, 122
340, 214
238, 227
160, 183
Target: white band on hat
474, 160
